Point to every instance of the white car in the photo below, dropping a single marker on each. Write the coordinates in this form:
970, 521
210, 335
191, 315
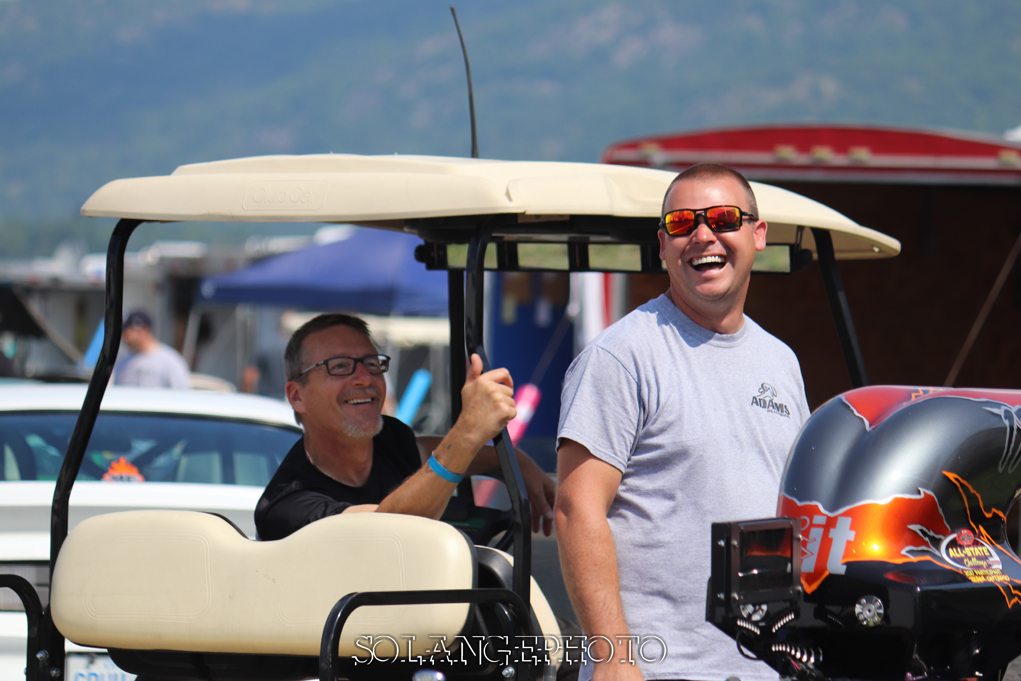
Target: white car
150, 449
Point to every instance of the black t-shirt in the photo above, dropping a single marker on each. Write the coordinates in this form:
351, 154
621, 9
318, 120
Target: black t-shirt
300, 493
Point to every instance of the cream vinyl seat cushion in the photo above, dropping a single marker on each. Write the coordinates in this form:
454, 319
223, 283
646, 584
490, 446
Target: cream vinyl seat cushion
190, 581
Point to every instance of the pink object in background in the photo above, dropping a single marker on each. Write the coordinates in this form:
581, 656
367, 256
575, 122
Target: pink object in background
525, 401
484, 490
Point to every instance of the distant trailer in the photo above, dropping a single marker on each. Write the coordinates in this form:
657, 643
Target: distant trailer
834, 153
947, 310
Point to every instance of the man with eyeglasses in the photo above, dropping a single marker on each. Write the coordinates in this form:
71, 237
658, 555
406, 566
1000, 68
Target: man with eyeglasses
680, 414
353, 459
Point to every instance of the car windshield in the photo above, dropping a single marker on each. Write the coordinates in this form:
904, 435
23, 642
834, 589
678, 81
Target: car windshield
145, 447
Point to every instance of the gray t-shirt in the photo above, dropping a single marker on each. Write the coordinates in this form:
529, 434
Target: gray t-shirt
159, 368
700, 425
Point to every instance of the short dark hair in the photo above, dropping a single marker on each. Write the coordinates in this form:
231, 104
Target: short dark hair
713, 171
138, 319
293, 355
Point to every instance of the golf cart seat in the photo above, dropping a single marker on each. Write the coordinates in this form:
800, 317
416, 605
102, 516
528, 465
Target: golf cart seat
153, 585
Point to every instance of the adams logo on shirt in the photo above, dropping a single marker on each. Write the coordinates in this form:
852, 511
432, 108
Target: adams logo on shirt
766, 399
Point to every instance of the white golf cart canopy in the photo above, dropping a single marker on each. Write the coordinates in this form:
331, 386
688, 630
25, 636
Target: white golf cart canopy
410, 192
538, 215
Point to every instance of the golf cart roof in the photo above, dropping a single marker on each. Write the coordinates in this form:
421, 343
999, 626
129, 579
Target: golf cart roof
428, 196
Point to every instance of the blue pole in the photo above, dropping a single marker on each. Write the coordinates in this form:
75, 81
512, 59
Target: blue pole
417, 388
95, 345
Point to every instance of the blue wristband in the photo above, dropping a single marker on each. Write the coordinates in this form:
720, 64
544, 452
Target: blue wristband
439, 470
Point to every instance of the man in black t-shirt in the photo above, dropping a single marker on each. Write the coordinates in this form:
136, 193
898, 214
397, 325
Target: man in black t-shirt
352, 459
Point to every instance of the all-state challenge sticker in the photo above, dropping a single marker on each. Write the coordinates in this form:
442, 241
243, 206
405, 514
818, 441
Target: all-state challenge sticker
974, 557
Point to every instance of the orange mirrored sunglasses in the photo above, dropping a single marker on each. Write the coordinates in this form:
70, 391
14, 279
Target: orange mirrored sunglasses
718, 218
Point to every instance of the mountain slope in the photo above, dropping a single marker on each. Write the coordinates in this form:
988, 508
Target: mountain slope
94, 91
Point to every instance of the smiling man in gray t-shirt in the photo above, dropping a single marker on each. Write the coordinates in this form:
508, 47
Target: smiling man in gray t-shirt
679, 415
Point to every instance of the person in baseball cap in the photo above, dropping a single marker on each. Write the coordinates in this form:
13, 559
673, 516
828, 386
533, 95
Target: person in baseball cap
149, 363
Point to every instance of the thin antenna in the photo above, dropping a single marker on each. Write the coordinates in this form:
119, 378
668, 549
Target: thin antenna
471, 96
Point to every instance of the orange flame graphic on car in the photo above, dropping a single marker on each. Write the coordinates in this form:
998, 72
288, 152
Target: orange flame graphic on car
902, 529
973, 500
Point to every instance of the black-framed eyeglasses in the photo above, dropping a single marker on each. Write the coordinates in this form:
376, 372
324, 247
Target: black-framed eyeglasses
345, 366
718, 218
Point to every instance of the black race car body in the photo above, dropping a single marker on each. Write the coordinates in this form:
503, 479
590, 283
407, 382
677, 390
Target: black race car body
894, 559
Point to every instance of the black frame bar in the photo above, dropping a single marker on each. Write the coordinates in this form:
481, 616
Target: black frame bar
455, 303
521, 524
329, 660
36, 665
839, 307
51, 639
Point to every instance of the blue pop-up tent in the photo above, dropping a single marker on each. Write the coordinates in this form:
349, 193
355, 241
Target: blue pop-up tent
372, 272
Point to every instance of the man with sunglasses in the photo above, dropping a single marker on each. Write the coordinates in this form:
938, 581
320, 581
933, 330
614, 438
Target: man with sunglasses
680, 414
352, 459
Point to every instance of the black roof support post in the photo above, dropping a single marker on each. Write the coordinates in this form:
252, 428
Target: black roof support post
455, 304
838, 306
521, 525
458, 369
36, 666
51, 639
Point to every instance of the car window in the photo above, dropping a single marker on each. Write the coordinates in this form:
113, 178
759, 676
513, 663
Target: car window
145, 447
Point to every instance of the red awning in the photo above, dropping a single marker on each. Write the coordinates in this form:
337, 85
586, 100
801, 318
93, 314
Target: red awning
832, 153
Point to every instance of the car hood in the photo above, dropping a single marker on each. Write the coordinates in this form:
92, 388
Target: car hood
25, 508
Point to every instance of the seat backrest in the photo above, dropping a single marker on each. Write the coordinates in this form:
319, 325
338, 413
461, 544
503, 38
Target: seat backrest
190, 581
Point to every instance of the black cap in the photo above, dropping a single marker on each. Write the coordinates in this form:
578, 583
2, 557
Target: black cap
138, 319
